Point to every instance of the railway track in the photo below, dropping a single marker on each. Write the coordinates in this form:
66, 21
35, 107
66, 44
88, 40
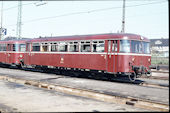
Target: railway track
126, 81
121, 80
150, 77
141, 83
113, 79
119, 99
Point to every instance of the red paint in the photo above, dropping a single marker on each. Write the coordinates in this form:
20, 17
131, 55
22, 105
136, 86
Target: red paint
107, 61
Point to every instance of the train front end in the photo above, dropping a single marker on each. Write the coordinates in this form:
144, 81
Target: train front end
136, 57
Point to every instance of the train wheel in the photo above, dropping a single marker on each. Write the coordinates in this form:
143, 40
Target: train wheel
148, 73
132, 77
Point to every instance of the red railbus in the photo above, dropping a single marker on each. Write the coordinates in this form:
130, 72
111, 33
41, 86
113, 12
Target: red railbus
12, 52
116, 53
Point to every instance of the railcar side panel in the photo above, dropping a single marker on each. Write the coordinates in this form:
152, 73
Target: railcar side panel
84, 61
3, 57
14, 57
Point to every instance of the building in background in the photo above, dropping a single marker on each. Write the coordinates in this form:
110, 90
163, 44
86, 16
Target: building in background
160, 51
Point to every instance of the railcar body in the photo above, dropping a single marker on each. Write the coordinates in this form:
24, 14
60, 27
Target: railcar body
12, 52
110, 53
115, 53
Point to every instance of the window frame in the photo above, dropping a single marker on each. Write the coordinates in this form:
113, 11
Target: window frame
20, 47
65, 44
3, 47
73, 43
129, 41
84, 43
32, 46
97, 42
46, 44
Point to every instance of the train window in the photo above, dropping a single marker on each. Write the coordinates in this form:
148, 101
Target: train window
73, 47
109, 46
101, 41
146, 47
28, 47
22, 47
15, 47
114, 46
125, 46
62, 47
54, 48
2, 47
85, 46
44, 48
35, 47
9, 47
136, 46
98, 46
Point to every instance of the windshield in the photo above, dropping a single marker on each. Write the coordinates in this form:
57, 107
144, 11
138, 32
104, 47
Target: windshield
125, 46
140, 47
136, 46
146, 47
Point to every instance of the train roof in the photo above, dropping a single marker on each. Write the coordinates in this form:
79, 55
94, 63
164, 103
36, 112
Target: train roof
14, 40
92, 37
106, 36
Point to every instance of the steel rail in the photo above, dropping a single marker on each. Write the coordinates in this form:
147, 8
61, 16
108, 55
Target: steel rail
156, 77
136, 102
160, 71
154, 85
143, 83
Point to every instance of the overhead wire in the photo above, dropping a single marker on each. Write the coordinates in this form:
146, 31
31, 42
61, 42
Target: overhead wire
83, 12
17, 6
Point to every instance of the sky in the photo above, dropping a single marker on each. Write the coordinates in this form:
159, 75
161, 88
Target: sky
149, 18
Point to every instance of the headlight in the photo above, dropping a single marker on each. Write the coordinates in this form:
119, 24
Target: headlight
133, 59
149, 60
20, 56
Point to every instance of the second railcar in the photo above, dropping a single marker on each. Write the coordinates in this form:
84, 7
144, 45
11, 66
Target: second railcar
12, 52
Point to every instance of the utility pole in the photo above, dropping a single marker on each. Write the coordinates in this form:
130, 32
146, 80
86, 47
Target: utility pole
19, 20
1, 35
123, 18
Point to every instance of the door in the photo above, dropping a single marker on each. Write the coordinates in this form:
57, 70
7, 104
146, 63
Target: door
8, 53
112, 56
27, 58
